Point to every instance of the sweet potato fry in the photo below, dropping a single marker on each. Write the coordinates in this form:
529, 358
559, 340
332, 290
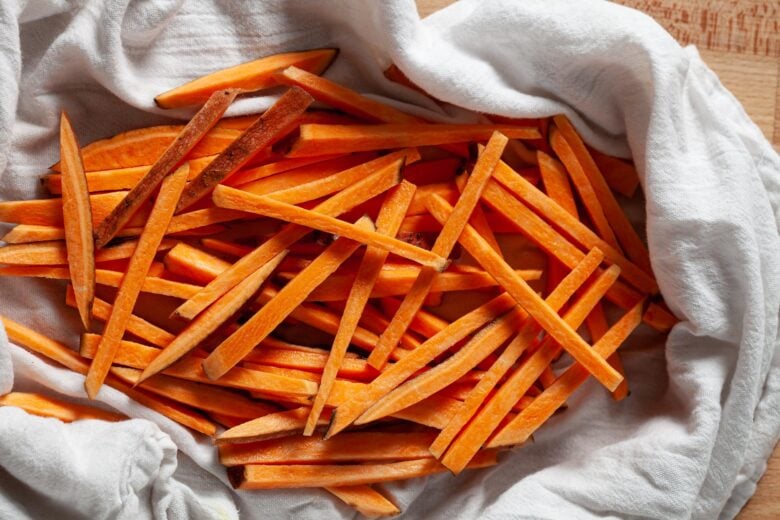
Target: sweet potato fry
268, 476
319, 139
620, 175
281, 166
241, 342
365, 500
247, 77
45, 406
231, 198
390, 216
150, 239
529, 420
77, 221
192, 133
48, 212
446, 240
659, 317
190, 262
274, 124
55, 253
271, 426
433, 171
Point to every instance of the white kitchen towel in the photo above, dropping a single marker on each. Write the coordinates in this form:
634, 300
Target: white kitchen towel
690, 441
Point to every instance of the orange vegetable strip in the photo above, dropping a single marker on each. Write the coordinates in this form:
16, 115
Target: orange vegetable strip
136, 355
247, 77
549, 320
399, 281
552, 398
232, 198
209, 320
319, 139
193, 222
395, 374
310, 361
200, 124
349, 447
305, 175
581, 159
479, 220
344, 99
364, 499
274, 124
489, 418
447, 190
432, 171
344, 179
279, 344
446, 240
118, 178
343, 201
225, 247
45, 406
269, 476
271, 426
659, 317
26, 233
48, 212
55, 253
190, 262
260, 325
583, 186
390, 217
198, 395
281, 166
136, 325
620, 175
132, 281
77, 221
559, 246
527, 333
63, 355
556, 182
425, 323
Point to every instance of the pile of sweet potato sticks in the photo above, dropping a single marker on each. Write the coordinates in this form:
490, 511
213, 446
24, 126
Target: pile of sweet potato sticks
358, 295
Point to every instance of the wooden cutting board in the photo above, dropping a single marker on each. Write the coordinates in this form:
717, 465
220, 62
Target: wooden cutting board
740, 41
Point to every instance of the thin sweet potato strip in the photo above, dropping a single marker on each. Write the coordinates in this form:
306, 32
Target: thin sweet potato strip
619, 174
241, 342
48, 212
226, 197
626, 234
488, 419
63, 355
319, 139
77, 221
527, 333
274, 124
190, 262
528, 299
337, 204
45, 406
150, 239
246, 77
200, 124
389, 220
659, 317
446, 240
55, 253
268, 476
529, 420
282, 166
364, 499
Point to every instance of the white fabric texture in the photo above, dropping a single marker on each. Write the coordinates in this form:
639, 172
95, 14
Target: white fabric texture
694, 435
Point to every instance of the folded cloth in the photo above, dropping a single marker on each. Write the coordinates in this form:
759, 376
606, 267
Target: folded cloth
692, 439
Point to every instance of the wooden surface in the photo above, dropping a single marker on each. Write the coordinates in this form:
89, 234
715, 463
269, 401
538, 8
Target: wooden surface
740, 41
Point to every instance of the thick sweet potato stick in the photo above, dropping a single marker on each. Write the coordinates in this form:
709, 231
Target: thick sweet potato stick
446, 240
48, 212
529, 420
63, 355
247, 77
136, 326
65, 411
337, 204
528, 299
279, 476
580, 159
365, 500
77, 221
527, 333
275, 123
231, 198
150, 239
390, 217
55, 253
209, 320
282, 166
319, 139
659, 317
241, 342
349, 447
485, 423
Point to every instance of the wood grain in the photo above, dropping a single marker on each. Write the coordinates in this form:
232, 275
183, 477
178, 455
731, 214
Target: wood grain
740, 41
